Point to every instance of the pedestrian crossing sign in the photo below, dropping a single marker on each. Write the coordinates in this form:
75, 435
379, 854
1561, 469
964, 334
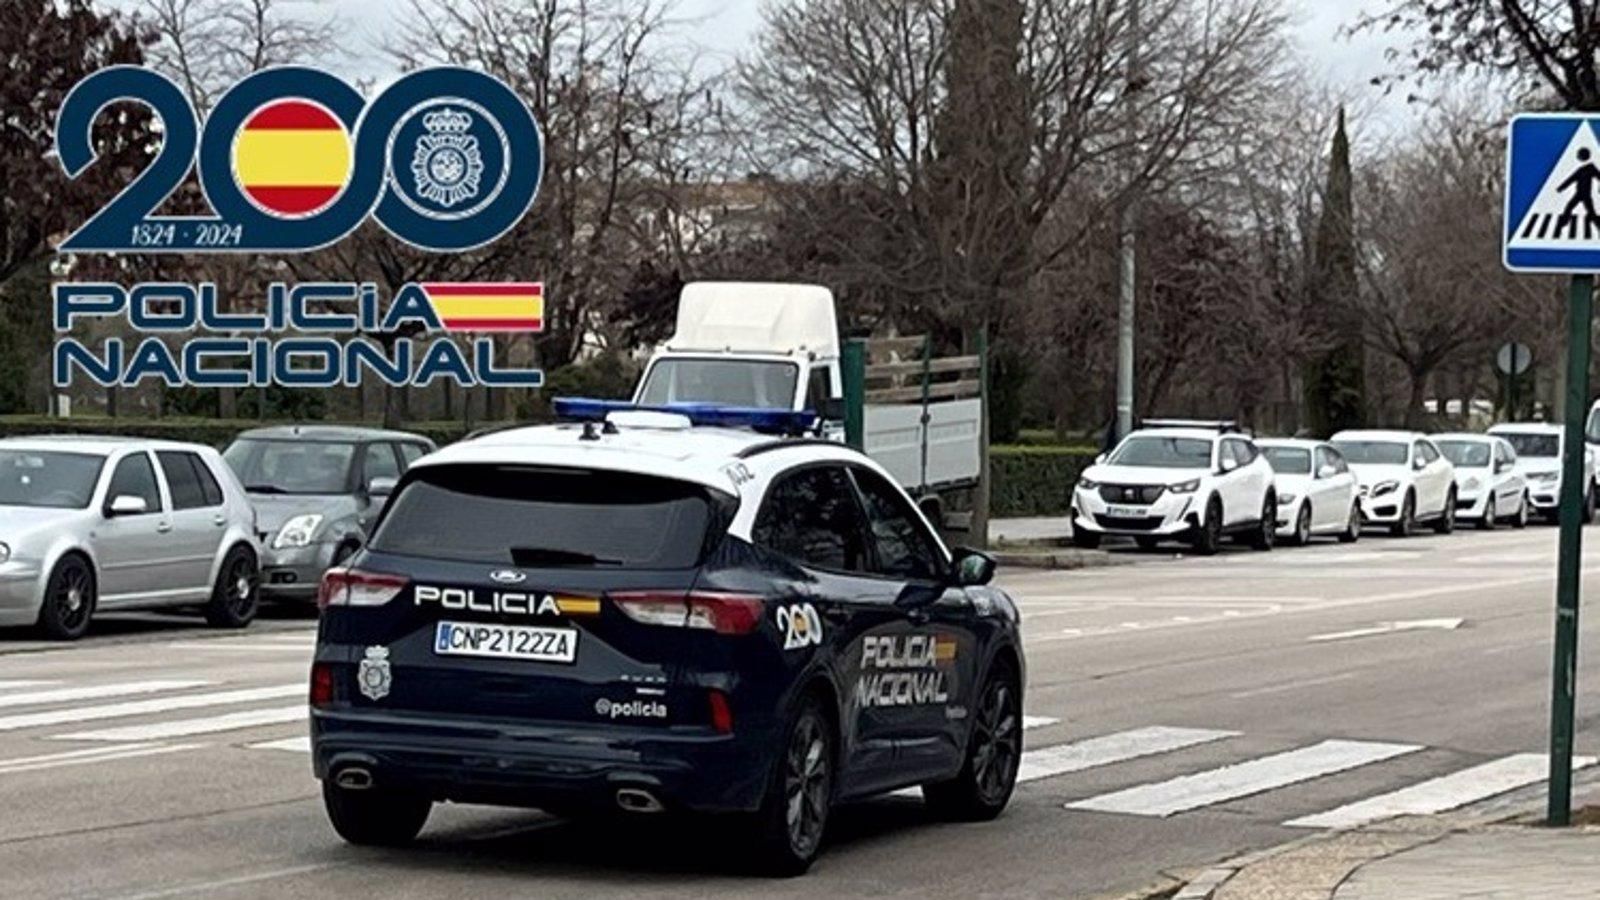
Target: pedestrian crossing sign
1552, 209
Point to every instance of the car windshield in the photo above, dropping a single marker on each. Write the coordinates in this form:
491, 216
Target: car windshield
1156, 452
1467, 454
273, 466
765, 384
48, 478
1531, 443
1380, 453
1288, 460
537, 517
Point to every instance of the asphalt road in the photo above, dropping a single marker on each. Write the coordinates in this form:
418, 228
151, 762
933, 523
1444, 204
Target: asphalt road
1187, 709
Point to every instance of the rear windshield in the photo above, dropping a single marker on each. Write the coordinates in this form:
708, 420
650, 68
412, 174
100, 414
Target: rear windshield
1529, 443
1380, 453
544, 517
1288, 460
1466, 454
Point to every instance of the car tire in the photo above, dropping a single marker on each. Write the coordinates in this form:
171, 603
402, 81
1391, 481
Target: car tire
236, 596
1147, 543
1490, 520
1302, 526
1207, 539
1352, 528
70, 596
1085, 540
1446, 522
994, 752
1406, 525
1266, 531
375, 816
1521, 520
804, 768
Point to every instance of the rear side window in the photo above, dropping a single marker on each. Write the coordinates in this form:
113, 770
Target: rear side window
191, 485
811, 516
547, 517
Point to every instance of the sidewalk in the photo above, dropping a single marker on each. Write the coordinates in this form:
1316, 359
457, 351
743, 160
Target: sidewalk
1043, 542
1055, 530
1415, 858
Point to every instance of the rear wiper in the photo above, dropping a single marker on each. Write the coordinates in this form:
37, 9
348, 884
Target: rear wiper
549, 556
264, 489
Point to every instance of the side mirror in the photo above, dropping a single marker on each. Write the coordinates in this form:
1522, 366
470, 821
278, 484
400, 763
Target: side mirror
973, 567
382, 486
1228, 464
126, 505
1328, 470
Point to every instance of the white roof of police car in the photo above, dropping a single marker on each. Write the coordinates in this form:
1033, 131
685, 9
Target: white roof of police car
698, 454
99, 444
1527, 428
1377, 434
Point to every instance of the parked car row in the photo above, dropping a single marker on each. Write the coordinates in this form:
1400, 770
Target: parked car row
1199, 482
109, 523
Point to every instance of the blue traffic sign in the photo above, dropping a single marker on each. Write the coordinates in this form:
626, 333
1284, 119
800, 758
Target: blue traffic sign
1552, 209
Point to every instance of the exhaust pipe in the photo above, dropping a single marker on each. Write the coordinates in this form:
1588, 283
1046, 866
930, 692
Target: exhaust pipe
636, 800
354, 778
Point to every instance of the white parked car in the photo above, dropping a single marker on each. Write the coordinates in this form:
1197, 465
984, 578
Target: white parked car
1489, 488
1404, 480
1538, 448
1185, 483
1317, 493
93, 524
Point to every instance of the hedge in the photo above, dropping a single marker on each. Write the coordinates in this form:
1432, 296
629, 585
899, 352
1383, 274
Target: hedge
1027, 480
1034, 480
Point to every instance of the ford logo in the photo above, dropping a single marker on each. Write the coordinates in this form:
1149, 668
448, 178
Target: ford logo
507, 576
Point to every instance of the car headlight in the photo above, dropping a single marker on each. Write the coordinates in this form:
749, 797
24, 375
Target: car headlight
5, 552
1185, 487
1286, 499
1385, 487
1087, 484
297, 532
1471, 484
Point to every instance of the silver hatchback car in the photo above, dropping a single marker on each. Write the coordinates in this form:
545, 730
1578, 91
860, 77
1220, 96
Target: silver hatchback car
105, 523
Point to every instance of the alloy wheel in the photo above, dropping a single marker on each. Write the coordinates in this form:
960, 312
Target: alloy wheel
807, 784
997, 748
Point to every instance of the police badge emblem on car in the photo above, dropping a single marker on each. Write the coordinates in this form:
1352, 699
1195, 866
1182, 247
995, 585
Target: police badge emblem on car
374, 675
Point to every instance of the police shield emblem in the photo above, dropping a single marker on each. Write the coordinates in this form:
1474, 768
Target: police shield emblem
374, 675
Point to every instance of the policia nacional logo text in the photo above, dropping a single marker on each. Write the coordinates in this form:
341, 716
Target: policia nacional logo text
907, 670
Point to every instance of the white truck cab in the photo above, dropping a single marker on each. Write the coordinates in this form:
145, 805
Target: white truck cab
750, 344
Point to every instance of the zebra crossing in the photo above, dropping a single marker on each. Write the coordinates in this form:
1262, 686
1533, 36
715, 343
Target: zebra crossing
137, 719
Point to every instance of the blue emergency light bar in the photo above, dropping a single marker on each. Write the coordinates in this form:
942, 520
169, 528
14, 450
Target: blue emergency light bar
766, 421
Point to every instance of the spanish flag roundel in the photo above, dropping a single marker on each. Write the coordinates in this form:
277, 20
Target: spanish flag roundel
292, 158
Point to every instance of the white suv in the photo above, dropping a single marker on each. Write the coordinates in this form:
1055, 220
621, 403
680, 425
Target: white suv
1403, 478
1189, 483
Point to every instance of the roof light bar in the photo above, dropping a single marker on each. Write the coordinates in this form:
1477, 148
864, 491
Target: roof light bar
766, 421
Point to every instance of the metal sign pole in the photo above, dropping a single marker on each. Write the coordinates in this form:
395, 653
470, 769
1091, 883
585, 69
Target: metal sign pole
1563, 686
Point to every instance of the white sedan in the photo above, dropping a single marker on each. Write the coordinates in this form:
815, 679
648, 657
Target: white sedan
1538, 447
1489, 487
1317, 494
1404, 480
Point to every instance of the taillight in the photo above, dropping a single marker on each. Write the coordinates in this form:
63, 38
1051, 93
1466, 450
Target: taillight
710, 610
321, 684
721, 714
354, 587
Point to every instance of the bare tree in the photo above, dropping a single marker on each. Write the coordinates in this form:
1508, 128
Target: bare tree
207, 45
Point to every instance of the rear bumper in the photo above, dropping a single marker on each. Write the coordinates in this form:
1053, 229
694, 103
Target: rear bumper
552, 767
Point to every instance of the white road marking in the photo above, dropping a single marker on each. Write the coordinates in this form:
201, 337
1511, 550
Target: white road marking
187, 727
146, 707
1293, 685
1389, 628
6, 685
207, 888
301, 744
1441, 794
1047, 762
95, 692
1255, 776
1038, 721
86, 757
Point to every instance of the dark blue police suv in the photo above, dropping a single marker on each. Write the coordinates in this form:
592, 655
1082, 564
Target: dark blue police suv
648, 616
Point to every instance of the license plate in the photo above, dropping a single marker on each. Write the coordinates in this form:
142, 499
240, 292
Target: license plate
558, 645
1128, 512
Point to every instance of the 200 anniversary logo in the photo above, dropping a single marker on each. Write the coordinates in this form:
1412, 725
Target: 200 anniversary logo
290, 160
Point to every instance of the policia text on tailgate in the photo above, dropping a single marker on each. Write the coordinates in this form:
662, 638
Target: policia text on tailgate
647, 615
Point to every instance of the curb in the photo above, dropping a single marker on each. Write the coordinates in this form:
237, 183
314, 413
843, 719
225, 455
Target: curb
1067, 558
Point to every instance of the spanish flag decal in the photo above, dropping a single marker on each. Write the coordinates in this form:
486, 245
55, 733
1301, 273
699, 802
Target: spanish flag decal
292, 158
483, 306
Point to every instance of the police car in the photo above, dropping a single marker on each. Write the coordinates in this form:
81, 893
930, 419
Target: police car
645, 612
